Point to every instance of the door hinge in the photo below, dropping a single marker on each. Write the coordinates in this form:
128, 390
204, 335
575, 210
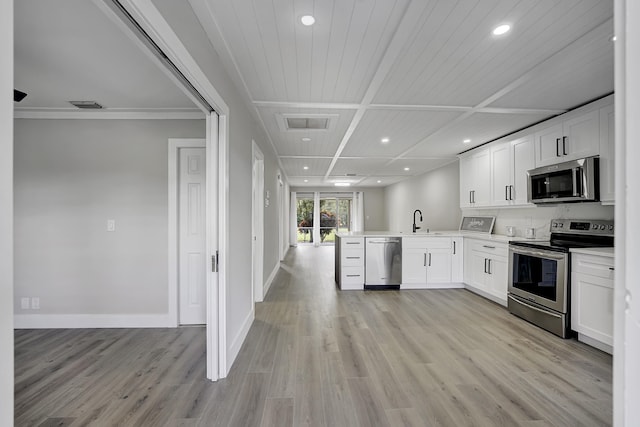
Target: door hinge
214, 263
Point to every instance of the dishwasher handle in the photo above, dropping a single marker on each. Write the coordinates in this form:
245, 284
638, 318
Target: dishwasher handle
382, 242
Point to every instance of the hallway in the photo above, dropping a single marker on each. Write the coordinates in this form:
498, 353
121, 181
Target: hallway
318, 356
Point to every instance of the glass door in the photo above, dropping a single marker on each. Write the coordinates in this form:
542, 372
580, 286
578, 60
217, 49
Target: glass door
328, 220
304, 219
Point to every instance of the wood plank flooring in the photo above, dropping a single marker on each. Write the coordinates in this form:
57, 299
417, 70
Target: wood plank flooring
316, 356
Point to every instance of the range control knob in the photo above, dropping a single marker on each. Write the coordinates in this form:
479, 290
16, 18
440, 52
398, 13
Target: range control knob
594, 226
611, 228
602, 227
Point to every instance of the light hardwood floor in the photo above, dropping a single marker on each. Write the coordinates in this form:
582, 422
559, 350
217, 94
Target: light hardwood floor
320, 357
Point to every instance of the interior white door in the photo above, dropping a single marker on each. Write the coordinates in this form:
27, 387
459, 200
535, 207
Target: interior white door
258, 224
192, 236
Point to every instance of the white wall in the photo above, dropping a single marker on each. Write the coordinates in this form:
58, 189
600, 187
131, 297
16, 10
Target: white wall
70, 177
435, 193
6, 213
243, 128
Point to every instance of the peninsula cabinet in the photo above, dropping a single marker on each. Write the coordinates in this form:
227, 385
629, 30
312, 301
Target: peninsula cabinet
349, 263
571, 139
592, 299
475, 171
485, 268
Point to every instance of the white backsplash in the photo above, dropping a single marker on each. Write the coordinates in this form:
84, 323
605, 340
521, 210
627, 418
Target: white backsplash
539, 217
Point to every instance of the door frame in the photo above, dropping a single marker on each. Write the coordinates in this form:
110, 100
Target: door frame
175, 144
257, 223
151, 21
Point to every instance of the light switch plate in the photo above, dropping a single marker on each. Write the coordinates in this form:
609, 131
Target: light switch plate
111, 225
24, 303
35, 303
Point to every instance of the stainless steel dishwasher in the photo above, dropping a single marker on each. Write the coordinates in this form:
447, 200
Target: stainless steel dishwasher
383, 263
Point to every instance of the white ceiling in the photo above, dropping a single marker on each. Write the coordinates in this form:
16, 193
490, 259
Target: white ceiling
71, 50
425, 74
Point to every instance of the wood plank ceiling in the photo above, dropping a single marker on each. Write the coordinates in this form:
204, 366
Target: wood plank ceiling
425, 74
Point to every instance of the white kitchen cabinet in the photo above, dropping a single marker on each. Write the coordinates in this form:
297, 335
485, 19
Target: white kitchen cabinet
570, 139
607, 155
486, 268
349, 263
510, 161
426, 262
475, 174
457, 259
592, 290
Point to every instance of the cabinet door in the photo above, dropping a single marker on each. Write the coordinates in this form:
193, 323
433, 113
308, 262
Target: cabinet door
592, 306
478, 274
439, 266
466, 172
607, 155
481, 178
582, 136
498, 278
500, 174
457, 260
414, 265
522, 160
548, 145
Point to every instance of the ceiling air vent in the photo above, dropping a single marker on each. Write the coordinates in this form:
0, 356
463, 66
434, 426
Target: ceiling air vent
306, 122
350, 174
86, 105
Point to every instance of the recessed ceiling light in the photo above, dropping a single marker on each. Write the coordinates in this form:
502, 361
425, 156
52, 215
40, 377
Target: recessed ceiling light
614, 38
407, 169
308, 20
342, 184
466, 141
306, 180
501, 29
385, 140
305, 167
378, 181
306, 139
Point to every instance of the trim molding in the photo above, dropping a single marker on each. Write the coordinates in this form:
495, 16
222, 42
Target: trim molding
269, 282
64, 114
76, 321
238, 340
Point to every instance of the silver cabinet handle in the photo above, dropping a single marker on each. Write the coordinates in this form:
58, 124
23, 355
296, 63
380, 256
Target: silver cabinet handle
488, 247
352, 243
353, 257
485, 265
564, 145
470, 196
511, 192
612, 269
425, 259
353, 275
557, 147
454, 247
506, 192
429, 259
489, 266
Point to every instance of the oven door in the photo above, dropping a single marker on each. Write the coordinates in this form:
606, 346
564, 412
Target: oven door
539, 276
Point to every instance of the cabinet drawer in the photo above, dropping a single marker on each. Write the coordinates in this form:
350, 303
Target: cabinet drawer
599, 266
352, 242
352, 257
498, 249
426, 242
352, 276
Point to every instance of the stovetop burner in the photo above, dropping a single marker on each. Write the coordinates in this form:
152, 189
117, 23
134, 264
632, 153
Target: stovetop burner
567, 234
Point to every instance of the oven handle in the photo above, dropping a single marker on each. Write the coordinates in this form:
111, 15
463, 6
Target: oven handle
542, 254
520, 301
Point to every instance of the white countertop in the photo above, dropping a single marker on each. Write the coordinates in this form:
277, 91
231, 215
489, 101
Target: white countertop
435, 233
608, 252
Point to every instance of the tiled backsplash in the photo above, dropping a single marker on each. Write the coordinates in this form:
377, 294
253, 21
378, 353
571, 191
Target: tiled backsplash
539, 217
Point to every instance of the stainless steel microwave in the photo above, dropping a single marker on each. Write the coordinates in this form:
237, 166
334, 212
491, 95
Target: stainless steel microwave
574, 181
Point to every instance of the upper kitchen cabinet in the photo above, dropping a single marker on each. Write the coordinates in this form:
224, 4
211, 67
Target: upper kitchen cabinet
510, 162
607, 155
475, 173
570, 139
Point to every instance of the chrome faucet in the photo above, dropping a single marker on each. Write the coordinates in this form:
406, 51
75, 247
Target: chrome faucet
415, 227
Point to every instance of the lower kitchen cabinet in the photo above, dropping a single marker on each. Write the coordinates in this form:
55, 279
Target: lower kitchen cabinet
349, 263
592, 300
486, 268
427, 262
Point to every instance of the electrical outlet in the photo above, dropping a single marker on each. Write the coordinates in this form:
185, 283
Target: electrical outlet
111, 225
24, 303
35, 303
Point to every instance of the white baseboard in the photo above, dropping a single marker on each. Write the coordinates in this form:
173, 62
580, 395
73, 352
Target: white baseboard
76, 321
595, 343
502, 302
238, 340
267, 284
447, 285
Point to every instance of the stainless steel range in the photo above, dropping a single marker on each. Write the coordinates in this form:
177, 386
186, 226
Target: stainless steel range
539, 287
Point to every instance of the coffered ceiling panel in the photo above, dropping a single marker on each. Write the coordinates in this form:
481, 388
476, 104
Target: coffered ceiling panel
360, 167
479, 128
583, 71
416, 166
453, 59
332, 61
380, 181
290, 143
296, 167
402, 128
